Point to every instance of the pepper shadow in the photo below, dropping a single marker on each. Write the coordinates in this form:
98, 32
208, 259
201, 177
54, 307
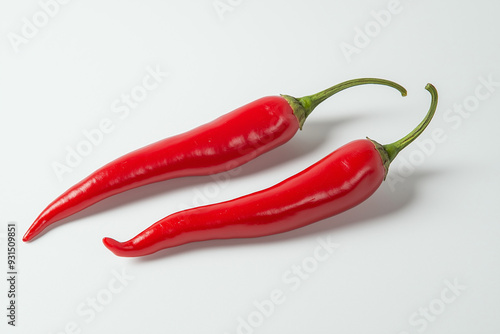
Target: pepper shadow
302, 144
383, 203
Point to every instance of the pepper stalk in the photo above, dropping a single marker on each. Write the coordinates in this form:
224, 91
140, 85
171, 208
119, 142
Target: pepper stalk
303, 106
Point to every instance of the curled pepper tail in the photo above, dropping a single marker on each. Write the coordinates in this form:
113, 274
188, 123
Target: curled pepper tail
116, 247
127, 248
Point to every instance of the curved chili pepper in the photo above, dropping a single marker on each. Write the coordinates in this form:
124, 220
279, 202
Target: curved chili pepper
227, 142
338, 182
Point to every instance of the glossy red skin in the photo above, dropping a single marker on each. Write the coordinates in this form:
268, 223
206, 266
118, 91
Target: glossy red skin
340, 181
225, 143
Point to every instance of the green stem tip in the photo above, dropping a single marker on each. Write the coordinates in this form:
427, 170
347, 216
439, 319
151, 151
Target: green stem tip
303, 106
390, 151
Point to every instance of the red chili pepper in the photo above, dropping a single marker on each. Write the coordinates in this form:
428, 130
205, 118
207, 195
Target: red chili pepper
338, 182
225, 143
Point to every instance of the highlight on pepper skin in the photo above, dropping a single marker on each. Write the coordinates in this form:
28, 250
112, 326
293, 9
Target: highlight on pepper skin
340, 181
256, 128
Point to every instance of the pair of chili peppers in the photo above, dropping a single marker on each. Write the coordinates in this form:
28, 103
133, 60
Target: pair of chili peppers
343, 179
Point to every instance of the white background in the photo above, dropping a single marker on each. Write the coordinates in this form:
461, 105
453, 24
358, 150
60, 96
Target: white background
434, 223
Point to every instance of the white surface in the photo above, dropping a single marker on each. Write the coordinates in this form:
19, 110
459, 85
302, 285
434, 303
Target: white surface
397, 253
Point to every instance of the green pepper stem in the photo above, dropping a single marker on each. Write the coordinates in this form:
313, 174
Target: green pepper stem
389, 151
303, 106
394, 148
